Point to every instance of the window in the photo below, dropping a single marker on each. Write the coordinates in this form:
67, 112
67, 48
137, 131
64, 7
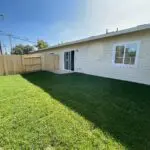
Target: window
126, 54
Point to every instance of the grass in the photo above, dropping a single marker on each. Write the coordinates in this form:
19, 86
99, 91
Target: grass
76, 111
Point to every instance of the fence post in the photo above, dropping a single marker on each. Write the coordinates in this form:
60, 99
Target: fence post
13, 63
22, 63
54, 63
2, 66
42, 62
5, 65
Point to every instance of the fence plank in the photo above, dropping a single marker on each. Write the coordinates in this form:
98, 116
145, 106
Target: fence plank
5, 65
13, 64
1, 66
50, 62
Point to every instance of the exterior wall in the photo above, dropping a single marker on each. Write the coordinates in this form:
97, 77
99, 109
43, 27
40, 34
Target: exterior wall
95, 58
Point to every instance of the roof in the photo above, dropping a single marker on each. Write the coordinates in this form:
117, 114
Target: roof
102, 36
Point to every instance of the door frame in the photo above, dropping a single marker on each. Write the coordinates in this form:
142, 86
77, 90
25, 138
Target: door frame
71, 64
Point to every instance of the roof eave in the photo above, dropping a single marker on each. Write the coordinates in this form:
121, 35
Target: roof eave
111, 34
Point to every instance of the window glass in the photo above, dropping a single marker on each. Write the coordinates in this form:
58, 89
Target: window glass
130, 53
119, 54
126, 53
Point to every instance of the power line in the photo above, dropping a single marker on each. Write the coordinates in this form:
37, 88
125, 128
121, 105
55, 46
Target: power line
10, 36
16, 37
23, 39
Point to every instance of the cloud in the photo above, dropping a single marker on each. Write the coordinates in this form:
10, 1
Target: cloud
97, 15
116, 13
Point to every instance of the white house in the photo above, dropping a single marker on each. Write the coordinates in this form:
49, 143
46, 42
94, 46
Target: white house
123, 55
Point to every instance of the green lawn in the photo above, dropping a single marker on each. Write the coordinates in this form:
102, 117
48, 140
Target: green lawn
75, 111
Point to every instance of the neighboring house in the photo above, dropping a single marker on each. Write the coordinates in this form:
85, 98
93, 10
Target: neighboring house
123, 55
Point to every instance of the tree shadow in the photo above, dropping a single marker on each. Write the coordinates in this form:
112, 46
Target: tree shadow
117, 107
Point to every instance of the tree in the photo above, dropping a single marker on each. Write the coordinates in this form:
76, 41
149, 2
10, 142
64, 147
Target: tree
22, 49
41, 44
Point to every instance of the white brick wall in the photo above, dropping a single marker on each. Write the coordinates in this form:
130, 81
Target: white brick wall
96, 58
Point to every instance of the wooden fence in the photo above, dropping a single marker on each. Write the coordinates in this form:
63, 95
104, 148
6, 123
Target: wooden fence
50, 62
14, 64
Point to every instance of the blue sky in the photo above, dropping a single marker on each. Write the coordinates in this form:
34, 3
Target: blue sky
65, 20
38, 19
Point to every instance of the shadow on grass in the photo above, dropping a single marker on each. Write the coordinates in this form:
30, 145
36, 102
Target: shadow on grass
117, 107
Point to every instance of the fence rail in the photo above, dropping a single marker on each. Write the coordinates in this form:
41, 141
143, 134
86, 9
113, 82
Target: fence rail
14, 64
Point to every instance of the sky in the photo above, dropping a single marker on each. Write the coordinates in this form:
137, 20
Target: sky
57, 21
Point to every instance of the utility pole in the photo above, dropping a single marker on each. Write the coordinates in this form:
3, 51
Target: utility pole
5, 50
2, 16
1, 52
10, 42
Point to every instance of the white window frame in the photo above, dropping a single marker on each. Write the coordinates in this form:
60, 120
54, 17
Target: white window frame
125, 44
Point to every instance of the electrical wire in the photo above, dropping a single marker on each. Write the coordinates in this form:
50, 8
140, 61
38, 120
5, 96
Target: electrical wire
16, 37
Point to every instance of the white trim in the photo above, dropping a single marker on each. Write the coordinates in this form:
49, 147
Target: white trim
125, 44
